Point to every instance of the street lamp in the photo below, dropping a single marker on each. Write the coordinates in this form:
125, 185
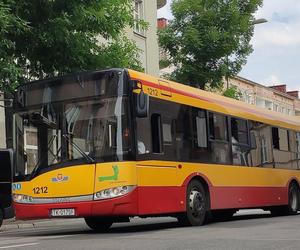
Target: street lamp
259, 21
255, 22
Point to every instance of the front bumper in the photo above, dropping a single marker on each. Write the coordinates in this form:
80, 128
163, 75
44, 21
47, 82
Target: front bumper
121, 206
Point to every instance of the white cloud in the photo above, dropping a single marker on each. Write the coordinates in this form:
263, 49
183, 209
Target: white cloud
276, 56
165, 11
279, 34
283, 24
283, 10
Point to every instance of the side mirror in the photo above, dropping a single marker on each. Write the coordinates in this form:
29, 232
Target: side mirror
142, 105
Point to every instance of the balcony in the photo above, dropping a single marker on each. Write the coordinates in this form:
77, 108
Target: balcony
161, 3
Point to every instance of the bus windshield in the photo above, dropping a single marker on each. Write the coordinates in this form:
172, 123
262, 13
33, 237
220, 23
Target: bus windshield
83, 131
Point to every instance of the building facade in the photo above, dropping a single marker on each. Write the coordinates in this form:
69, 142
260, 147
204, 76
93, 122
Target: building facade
275, 98
146, 39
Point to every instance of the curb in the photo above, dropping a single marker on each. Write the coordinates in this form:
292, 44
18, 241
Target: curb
17, 224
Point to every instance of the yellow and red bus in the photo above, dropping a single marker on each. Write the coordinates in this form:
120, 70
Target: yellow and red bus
113, 144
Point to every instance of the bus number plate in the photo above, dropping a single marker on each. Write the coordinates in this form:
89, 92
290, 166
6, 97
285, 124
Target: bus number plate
63, 212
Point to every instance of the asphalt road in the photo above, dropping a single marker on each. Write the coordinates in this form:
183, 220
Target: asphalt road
245, 231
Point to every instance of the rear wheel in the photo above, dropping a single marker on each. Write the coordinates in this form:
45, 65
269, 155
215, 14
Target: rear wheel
293, 203
99, 224
196, 205
293, 206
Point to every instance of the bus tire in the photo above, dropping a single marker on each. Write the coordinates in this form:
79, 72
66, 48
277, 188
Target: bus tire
196, 205
293, 203
99, 224
1, 217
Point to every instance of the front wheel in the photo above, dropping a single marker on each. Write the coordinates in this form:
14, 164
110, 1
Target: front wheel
99, 224
196, 205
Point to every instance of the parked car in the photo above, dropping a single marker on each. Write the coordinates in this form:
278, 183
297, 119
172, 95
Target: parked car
6, 207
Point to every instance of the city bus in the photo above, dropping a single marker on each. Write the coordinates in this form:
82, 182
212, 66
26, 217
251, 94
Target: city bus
113, 144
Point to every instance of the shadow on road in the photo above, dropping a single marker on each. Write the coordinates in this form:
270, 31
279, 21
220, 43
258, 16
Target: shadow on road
150, 226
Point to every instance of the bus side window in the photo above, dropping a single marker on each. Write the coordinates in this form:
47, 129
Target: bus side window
255, 144
240, 142
201, 129
218, 136
156, 131
281, 148
265, 132
298, 149
293, 149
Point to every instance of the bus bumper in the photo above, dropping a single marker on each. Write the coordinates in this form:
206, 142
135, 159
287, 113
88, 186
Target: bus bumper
121, 206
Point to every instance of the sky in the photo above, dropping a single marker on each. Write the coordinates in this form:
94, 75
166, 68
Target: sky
276, 44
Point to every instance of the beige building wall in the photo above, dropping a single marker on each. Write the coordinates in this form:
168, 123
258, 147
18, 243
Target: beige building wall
147, 40
2, 123
266, 97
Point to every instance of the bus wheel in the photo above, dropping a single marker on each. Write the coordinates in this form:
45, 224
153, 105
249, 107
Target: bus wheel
293, 205
1, 217
196, 205
99, 224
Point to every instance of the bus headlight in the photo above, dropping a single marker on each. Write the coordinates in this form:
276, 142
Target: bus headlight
113, 192
20, 198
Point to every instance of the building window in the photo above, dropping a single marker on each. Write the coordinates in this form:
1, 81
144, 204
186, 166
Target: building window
138, 16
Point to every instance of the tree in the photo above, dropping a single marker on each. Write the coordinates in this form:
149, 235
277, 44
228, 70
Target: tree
10, 25
232, 92
62, 36
208, 39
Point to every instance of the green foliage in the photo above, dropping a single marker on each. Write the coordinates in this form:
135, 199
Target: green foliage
47, 38
233, 92
10, 25
208, 39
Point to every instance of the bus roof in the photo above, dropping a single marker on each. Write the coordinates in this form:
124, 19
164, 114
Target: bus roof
184, 94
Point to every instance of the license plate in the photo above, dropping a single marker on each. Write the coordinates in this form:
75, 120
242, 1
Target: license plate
63, 212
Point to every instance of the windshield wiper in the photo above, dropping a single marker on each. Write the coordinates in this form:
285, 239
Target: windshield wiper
36, 167
85, 155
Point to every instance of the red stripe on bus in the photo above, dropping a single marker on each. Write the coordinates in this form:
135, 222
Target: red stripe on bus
247, 197
164, 200
161, 200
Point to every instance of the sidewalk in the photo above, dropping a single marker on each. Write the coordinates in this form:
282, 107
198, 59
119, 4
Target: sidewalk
11, 224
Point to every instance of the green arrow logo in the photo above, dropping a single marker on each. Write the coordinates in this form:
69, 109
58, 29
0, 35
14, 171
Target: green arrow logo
113, 177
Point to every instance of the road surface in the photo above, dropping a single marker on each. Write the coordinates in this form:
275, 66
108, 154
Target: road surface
245, 231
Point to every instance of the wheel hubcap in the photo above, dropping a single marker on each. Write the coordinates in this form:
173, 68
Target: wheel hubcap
196, 203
